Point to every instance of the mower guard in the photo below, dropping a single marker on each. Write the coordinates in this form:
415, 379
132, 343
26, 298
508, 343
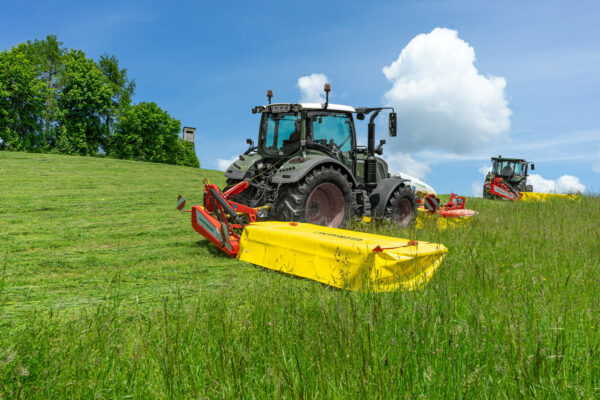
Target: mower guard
340, 258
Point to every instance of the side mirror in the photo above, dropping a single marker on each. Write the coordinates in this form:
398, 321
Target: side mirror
250, 142
392, 124
532, 166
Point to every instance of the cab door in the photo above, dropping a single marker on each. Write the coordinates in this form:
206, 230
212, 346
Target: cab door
334, 131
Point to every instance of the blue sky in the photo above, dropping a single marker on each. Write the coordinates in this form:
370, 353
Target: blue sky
207, 64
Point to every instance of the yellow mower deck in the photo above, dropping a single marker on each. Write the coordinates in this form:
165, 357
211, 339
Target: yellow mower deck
533, 196
340, 258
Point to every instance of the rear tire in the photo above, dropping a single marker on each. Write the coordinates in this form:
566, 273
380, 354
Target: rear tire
401, 207
323, 197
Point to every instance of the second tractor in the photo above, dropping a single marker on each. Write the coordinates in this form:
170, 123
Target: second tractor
507, 178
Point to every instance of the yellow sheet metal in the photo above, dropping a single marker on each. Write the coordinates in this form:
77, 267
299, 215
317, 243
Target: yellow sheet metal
533, 196
340, 258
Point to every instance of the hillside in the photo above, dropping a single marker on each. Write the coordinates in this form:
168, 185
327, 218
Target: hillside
107, 292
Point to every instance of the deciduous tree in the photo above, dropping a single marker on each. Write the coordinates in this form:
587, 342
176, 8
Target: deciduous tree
84, 98
21, 102
122, 88
46, 56
146, 132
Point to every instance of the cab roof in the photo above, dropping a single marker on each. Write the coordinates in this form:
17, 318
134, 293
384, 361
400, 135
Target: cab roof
315, 106
334, 107
508, 159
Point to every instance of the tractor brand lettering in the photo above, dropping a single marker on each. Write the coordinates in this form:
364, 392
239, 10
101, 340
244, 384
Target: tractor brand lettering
340, 236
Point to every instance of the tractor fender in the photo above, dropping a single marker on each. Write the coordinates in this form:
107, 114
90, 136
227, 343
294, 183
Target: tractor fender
292, 172
382, 193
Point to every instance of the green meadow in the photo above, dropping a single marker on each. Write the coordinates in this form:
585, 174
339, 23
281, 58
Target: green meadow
106, 292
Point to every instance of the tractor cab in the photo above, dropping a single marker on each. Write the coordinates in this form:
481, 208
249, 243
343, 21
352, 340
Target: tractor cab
286, 129
513, 170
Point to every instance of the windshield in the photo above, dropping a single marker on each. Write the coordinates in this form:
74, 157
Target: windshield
507, 168
281, 132
327, 128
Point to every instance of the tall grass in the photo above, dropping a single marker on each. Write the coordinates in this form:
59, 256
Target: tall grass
107, 293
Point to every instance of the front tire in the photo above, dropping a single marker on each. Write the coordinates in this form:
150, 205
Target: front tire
401, 207
323, 197
486, 191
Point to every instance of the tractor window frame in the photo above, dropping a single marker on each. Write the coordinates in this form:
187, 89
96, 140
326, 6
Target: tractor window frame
347, 142
275, 142
501, 164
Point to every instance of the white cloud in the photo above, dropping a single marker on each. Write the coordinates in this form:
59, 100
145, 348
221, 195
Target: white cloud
540, 184
477, 188
441, 99
485, 169
564, 184
569, 184
223, 164
311, 88
401, 162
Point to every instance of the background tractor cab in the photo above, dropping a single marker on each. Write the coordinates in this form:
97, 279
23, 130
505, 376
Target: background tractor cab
308, 166
512, 171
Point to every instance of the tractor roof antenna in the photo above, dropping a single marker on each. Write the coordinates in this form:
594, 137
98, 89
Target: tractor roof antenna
269, 95
327, 89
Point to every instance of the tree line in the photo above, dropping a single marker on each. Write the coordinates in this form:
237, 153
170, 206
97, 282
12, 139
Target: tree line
54, 99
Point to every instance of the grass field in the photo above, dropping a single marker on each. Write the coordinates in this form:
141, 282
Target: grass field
106, 292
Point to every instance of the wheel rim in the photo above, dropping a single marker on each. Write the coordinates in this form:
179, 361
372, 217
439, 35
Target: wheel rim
403, 213
326, 205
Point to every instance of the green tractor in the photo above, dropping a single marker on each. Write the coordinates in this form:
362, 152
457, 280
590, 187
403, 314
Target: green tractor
508, 174
308, 167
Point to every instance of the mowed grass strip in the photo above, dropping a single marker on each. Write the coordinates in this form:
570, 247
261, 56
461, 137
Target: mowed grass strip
107, 292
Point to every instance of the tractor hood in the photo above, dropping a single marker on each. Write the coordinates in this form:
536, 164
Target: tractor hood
240, 167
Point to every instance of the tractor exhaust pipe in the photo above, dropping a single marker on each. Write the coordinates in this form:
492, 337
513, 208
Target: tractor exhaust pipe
371, 162
371, 143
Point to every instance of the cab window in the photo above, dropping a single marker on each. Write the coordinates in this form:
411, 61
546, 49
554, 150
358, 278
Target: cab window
517, 169
331, 127
281, 130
